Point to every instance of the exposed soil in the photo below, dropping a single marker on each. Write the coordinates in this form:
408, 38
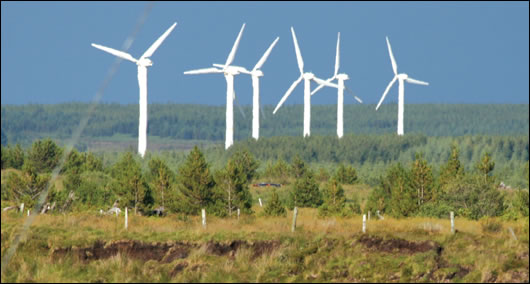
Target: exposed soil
162, 252
397, 245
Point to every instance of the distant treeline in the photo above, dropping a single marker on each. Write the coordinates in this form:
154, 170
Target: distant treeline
24, 123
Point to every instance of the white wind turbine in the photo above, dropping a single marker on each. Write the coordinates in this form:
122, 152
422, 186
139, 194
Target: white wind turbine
400, 77
142, 63
307, 76
229, 72
256, 73
340, 99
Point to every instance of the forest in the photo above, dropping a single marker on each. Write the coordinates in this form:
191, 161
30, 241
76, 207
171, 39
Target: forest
25, 123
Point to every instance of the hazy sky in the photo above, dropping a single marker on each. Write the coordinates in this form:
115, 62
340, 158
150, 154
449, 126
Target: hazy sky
469, 52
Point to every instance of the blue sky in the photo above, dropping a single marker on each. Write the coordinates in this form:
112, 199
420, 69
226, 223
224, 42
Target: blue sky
469, 52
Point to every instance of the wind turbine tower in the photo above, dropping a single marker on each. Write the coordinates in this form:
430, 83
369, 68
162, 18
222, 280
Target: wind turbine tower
142, 63
307, 76
229, 73
340, 98
402, 78
255, 74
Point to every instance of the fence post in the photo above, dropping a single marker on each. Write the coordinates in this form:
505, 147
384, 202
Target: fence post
368, 215
260, 204
22, 208
125, 218
294, 219
452, 222
364, 223
203, 218
238, 213
28, 212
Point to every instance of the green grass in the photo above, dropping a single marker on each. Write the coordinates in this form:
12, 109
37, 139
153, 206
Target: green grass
321, 250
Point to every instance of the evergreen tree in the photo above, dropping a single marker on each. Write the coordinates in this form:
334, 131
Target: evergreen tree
44, 155
334, 199
274, 207
161, 178
305, 192
92, 163
298, 167
246, 162
485, 167
232, 188
346, 175
195, 184
452, 169
403, 198
129, 182
422, 179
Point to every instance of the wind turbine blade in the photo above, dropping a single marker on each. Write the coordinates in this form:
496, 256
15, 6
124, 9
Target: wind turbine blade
289, 91
414, 81
386, 91
239, 106
337, 55
298, 54
394, 65
234, 48
118, 53
326, 83
149, 52
354, 96
322, 85
204, 71
265, 55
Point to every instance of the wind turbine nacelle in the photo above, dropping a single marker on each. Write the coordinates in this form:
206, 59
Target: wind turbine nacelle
308, 76
257, 73
402, 76
343, 77
146, 62
232, 70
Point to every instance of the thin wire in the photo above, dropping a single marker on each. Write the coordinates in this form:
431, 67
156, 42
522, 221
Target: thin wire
75, 138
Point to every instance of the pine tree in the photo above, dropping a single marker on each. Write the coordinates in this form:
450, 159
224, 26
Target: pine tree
452, 169
422, 179
195, 184
274, 207
232, 188
334, 199
129, 182
161, 178
485, 167
298, 167
44, 155
305, 192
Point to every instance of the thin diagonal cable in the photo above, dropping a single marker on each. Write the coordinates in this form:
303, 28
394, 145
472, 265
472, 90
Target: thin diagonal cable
75, 137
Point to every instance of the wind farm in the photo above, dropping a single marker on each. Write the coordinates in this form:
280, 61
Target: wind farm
323, 190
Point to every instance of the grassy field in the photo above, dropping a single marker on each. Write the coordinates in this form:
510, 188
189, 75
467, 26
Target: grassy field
88, 247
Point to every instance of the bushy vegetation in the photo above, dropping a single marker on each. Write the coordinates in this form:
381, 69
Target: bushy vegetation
416, 188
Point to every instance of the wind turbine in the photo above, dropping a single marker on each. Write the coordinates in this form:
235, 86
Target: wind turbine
340, 99
142, 63
401, 78
229, 72
307, 76
256, 73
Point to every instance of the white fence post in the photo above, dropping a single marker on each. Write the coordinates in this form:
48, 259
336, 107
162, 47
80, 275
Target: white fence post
452, 222
294, 219
368, 215
28, 212
364, 223
238, 212
203, 218
21, 207
260, 204
125, 218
